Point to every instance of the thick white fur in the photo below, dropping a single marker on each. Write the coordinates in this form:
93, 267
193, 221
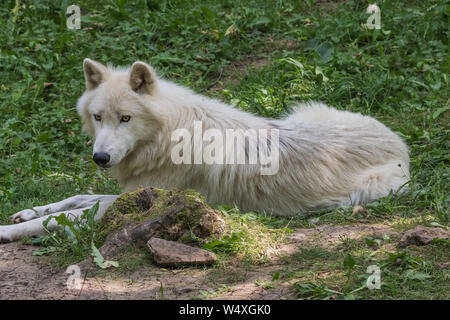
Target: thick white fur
328, 158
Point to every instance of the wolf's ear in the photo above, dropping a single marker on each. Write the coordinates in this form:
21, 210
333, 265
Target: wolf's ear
142, 78
94, 73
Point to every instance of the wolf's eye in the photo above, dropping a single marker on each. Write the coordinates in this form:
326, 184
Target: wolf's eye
97, 117
125, 118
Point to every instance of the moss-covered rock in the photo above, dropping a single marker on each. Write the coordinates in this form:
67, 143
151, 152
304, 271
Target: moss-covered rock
178, 215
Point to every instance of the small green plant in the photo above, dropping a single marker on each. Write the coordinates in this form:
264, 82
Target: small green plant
348, 244
268, 284
349, 265
76, 237
401, 260
161, 290
225, 245
99, 260
375, 242
312, 291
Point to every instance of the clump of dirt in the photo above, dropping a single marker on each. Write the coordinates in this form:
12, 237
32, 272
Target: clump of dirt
176, 215
421, 235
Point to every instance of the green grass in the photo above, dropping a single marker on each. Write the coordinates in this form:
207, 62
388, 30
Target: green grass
413, 273
398, 74
249, 236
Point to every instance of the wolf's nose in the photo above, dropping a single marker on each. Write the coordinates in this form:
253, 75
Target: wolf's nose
101, 158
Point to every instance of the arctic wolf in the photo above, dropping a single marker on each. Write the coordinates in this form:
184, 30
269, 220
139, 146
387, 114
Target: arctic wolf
327, 158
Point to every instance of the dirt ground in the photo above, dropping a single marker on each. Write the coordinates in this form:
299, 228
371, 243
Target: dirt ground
24, 276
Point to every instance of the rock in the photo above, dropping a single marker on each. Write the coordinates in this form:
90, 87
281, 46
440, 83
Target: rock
421, 235
176, 215
172, 253
358, 209
443, 265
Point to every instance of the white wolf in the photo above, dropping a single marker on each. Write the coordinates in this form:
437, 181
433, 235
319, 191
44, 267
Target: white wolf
327, 158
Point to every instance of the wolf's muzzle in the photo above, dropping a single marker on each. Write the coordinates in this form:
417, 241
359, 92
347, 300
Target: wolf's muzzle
101, 158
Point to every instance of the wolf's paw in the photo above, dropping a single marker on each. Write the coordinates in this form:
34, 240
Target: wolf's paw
5, 234
24, 215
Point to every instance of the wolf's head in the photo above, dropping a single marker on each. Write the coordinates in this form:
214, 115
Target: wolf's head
116, 109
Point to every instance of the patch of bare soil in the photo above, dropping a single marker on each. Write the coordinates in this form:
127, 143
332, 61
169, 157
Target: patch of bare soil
329, 236
232, 74
22, 276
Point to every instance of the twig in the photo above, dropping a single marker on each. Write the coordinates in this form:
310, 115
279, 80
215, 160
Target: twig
217, 80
